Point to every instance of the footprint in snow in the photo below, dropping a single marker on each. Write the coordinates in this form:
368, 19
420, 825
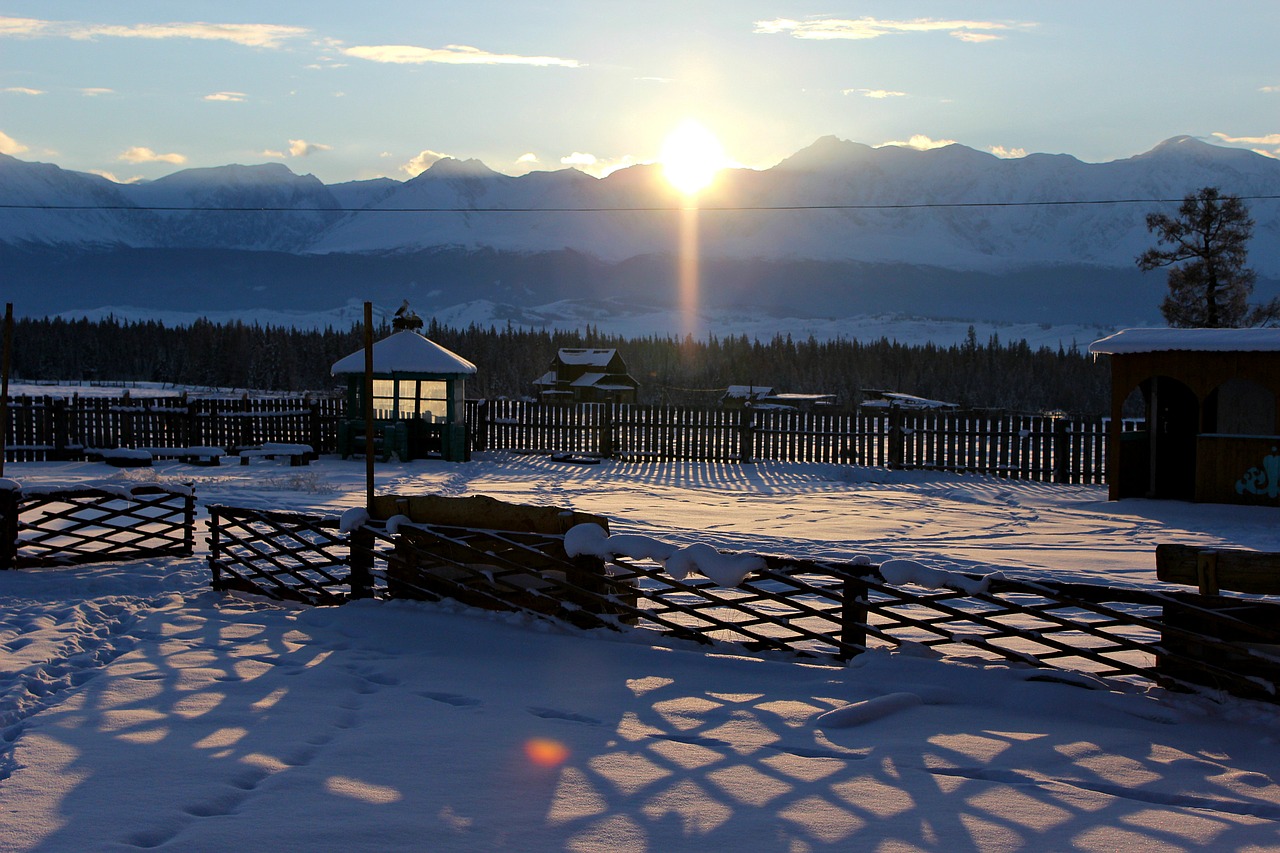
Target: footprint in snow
557, 714
455, 699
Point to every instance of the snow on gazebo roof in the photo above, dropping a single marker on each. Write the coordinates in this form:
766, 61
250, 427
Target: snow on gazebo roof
406, 352
1188, 340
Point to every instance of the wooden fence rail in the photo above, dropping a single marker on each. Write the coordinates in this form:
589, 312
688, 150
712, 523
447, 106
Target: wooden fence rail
94, 525
802, 607
1033, 447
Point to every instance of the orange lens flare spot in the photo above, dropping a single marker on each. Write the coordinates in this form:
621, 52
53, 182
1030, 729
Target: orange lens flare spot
546, 752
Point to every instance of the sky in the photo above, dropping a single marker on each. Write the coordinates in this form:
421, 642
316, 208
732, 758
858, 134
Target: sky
137, 89
139, 709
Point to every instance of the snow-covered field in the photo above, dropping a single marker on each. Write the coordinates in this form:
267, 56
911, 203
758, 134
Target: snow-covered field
140, 710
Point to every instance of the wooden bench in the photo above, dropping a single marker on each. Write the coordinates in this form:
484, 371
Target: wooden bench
207, 456
1225, 632
297, 454
499, 556
1215, 569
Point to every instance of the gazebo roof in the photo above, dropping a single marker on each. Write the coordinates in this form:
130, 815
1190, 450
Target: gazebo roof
406, 352
1188, 340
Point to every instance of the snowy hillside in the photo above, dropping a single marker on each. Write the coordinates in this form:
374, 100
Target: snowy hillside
904, 208
839, 230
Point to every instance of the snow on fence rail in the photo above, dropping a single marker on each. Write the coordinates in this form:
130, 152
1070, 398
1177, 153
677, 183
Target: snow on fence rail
1034, 447
819, 609
94, 525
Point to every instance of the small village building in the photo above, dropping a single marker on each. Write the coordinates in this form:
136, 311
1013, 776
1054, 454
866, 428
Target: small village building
1211, 399
877, 399
419, 399
582, 375
744, 396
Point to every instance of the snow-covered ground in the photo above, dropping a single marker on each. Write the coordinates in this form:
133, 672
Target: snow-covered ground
140, 710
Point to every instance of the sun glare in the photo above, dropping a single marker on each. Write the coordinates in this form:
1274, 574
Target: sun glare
691, 156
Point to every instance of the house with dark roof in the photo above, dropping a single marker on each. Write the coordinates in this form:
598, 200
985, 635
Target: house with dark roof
584, 375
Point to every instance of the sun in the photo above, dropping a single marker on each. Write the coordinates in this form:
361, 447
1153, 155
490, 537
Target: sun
691, 156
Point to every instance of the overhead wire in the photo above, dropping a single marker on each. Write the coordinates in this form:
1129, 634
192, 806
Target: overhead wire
636, 209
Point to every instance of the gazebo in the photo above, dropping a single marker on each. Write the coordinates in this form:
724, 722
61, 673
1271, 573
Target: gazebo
1211, 399
418, 399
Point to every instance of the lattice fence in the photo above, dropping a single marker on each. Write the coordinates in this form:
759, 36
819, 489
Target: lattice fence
94, 525
822, 610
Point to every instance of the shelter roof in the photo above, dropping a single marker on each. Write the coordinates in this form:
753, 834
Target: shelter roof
589, 357
1188, 340
406, 352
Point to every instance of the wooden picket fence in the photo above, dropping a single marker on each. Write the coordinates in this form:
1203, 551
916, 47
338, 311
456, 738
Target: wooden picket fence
818, 609
57, 428
94, 525
1034, 447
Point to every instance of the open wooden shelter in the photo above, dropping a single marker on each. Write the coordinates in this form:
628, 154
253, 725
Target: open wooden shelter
1211, 399
419, 394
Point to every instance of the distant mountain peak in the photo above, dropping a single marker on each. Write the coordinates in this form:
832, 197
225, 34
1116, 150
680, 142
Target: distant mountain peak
449, 167
827, 152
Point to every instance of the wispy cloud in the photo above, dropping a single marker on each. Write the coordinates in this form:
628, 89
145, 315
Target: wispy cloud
421, 162
10, 146
920, 142
140, 154
95, 91
111, 176
1267, 145
874, 93
22, 90
871, 28
234, 97
450, 54
1007, 153
303, 148
248, 35
1269, 89
597, 166
1269, 139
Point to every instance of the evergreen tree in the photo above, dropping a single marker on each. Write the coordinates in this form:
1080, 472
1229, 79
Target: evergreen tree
1209, 284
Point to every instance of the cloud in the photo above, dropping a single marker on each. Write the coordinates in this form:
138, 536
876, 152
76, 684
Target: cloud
524, 164
450, 54
1007, 153
22, 90
95, 91
596, 166
826, 29
424, 160
140, 154
1269, 89
9, 145
874, 93
271, 152
248, 35
1267, 146
920, 142
110, 176
1269, 139
303, 148
234, 97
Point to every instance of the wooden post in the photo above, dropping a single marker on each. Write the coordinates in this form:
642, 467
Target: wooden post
60, 433
897, 440
314, 432
5, 360
606, 431
1061, 451
361, 579
747, 435
853, 616
215, 547
9, 509
368, 406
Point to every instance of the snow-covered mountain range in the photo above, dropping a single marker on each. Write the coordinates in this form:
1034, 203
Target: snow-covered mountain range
837, 229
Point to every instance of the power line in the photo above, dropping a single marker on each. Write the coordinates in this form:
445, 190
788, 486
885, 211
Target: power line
644, 209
